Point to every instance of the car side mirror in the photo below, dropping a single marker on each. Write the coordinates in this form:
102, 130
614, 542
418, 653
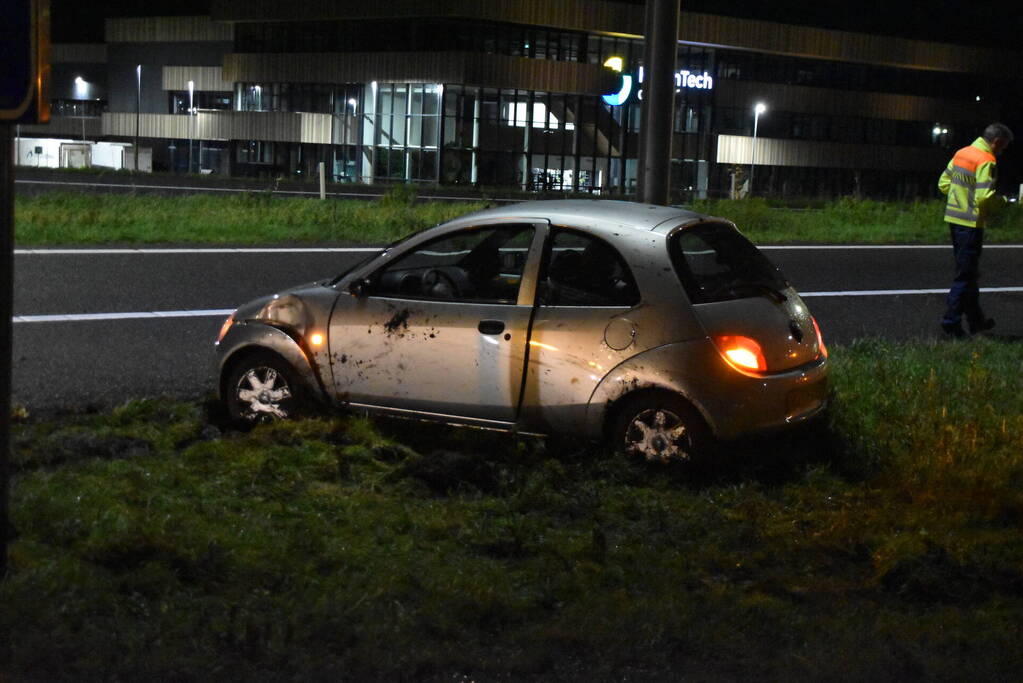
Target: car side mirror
359, 287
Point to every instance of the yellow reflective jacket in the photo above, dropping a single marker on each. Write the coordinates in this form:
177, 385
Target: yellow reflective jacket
969, 182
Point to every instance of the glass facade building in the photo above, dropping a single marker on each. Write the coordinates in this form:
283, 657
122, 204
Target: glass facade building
545, 141
455, 134
522, 96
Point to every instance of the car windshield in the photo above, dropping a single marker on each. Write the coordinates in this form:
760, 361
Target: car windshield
372, 255
716, 263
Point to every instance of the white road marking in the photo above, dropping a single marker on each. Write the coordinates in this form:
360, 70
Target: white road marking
835, 247
220, 312
899, 292
356, 250
80, 317
211, 250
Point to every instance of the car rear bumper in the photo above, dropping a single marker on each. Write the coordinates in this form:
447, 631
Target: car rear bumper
732, 403
744, 405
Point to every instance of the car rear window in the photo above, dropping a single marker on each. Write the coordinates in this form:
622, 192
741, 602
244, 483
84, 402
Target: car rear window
716, 263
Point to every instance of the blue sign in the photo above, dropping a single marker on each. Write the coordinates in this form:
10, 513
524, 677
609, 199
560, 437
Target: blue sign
620, 97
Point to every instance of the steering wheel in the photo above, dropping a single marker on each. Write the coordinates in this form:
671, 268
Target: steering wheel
437, 284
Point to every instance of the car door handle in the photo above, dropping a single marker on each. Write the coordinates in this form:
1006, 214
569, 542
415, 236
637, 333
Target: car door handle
491, 327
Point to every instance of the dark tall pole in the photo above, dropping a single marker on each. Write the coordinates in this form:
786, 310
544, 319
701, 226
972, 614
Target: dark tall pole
138, 115
659, 57
6, 341
25, 98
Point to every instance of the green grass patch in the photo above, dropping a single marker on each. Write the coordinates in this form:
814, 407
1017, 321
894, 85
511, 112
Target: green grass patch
885, 545
62, 218
849, 221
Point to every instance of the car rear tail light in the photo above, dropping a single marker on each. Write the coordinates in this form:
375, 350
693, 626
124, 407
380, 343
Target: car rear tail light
820, 337
742, 353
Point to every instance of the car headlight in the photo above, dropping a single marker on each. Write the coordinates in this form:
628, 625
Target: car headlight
287, 310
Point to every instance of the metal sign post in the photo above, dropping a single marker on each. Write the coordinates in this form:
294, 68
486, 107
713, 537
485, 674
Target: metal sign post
24, 98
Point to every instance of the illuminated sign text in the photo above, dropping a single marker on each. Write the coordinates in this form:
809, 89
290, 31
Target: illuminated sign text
684, 78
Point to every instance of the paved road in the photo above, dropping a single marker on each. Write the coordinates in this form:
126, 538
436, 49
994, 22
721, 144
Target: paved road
104, 362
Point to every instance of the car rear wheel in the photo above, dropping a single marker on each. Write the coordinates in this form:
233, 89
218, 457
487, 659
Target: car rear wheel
660, 427
263, 387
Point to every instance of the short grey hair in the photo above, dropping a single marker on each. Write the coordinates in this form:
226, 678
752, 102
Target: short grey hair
997, 130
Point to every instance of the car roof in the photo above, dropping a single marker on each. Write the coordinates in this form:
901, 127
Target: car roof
598, 215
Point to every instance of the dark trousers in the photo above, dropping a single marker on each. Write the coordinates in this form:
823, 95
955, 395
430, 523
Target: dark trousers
964, 295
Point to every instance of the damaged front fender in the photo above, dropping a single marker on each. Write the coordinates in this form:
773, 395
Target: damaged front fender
250, 336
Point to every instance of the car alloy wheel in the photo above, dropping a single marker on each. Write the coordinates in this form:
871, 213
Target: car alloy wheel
263, 389
658, 434
661, 427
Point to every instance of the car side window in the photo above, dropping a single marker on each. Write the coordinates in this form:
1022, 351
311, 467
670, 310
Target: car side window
582, 270
479, 264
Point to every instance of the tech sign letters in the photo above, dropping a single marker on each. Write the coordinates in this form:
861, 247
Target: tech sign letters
683, 79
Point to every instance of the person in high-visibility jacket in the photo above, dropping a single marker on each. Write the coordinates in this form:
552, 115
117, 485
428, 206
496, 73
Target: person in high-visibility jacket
969, 182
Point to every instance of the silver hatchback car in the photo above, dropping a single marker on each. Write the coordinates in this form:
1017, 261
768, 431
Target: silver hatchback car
652, 327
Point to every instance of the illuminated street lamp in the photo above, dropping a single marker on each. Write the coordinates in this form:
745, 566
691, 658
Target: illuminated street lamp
759, 109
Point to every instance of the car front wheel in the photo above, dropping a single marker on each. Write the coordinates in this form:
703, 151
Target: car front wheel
660, 427
263, 387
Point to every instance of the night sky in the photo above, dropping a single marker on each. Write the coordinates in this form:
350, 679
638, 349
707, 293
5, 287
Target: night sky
953, 21
74, 21
972, 23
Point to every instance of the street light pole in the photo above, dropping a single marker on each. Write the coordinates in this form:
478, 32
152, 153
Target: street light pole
759, 109
81, 93
191, 111
138, 114
660, 35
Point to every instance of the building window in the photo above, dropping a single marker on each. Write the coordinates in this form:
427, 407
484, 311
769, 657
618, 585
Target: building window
250, 97
78, 108
200, 100
516, 114
427, 35
255, 152
403, 123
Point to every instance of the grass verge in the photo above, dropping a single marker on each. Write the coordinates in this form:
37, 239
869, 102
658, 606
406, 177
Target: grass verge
884, 547
63, 218
259, 218
848, 221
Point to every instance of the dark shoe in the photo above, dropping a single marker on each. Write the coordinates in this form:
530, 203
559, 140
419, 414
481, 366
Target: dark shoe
954, 331
983, 326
